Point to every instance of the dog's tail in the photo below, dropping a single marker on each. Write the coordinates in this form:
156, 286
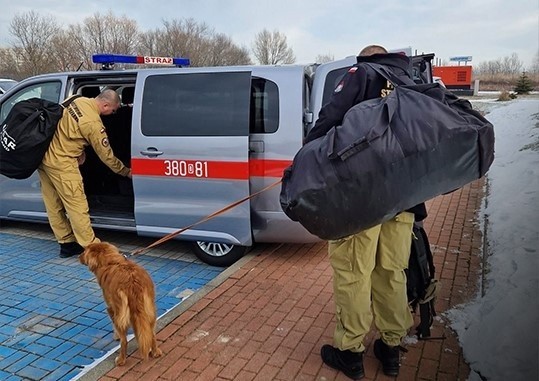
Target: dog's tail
143, 324
122, 316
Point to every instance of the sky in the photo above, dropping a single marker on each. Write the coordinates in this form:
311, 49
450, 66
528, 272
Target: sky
499, 331
484, 29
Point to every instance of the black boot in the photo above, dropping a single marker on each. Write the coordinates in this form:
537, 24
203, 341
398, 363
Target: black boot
348, 362
70, 249
389, 356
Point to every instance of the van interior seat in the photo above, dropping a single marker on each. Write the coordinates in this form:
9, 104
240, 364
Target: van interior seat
119, 134
90, 91
119, 127
128, 95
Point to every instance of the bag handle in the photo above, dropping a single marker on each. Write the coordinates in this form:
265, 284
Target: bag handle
363, 142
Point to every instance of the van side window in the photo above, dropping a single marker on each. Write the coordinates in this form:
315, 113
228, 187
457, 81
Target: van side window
196, 104
264, 110
46, 90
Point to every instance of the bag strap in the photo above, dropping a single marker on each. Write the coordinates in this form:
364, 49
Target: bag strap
29, 120
388, 74
376, 132
67, 102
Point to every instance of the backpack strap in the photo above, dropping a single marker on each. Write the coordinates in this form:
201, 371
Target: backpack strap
68, 101
428, 299
430, 258
426, 313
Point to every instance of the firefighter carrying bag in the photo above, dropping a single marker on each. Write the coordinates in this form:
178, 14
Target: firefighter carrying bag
388, 155
26, 135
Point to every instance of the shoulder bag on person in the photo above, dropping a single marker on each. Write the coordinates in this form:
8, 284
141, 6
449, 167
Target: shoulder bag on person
388, 155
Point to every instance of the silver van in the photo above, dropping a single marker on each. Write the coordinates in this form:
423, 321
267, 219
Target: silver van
197, 140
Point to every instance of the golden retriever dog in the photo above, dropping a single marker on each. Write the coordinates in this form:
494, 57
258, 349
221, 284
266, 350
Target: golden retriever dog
129, 293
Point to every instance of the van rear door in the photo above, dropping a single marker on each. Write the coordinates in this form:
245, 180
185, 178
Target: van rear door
422, 68
190, 153
327, 77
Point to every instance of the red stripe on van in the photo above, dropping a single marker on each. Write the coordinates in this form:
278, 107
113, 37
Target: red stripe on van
209, 169
191, 168
268, 168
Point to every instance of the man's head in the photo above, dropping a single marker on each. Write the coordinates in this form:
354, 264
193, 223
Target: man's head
372, 49
108, 102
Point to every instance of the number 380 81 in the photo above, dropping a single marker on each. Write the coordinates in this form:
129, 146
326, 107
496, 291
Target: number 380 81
184, 168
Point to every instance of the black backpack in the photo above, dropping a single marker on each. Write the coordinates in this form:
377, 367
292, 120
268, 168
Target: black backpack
421, 286
26, 134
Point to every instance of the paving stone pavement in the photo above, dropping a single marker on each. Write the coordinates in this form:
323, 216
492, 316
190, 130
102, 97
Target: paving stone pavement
53, 323
269, 315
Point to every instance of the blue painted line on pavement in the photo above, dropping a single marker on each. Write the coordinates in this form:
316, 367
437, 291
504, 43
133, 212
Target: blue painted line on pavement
53, 320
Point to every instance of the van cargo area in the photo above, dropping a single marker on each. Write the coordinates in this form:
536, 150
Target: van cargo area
110, 196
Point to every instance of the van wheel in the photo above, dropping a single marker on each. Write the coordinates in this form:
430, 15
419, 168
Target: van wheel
218, 254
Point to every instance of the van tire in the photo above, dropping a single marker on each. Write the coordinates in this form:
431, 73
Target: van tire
218, 254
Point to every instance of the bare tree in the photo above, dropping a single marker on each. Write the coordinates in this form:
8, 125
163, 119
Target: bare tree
271, 48
102, 34
511, 65
149, 42
67, 56
10, 64
178, 38
222, 51
196, 41
33, 36
42, 46
323, 58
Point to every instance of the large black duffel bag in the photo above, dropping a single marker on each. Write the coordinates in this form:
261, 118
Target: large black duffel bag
388, 155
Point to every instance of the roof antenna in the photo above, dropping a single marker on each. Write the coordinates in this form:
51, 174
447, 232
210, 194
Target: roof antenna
80, 65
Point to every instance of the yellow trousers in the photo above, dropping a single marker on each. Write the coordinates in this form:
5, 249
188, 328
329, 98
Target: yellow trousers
66, 205
369, 279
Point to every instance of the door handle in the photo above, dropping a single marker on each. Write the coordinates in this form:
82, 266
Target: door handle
256, 146
151, 152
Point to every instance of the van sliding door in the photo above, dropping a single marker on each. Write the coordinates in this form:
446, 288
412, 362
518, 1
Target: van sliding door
190, 153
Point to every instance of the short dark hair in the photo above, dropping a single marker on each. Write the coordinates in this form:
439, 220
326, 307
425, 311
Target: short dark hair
372, 49
110, 96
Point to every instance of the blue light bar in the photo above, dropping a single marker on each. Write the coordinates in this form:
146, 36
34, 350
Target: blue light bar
119, 58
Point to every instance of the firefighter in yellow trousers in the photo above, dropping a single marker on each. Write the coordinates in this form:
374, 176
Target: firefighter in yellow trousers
369, 280
61, 180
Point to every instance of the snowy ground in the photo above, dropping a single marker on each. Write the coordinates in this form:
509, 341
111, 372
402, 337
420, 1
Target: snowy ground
499, 331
